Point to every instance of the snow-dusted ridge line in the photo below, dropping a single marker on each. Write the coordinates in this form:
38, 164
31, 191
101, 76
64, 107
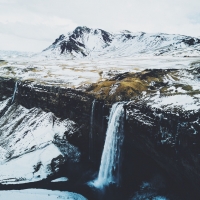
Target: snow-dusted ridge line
86, 42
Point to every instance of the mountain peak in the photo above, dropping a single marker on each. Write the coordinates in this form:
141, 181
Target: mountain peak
60, 38
81, 30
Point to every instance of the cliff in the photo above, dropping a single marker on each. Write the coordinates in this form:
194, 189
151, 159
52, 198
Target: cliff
166, 133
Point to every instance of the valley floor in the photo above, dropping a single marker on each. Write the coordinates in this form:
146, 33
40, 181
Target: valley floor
78, 73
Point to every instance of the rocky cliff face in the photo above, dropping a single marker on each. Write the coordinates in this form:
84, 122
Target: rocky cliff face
167, 135
171, 139
29, 131
65, 103
6, 88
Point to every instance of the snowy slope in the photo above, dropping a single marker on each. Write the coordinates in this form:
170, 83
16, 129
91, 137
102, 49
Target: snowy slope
39, 194
86, 42
30, 141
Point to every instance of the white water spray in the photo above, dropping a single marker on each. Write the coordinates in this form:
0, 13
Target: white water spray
109, 171
15, 90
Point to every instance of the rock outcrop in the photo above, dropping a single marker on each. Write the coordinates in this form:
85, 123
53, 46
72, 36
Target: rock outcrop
170, 138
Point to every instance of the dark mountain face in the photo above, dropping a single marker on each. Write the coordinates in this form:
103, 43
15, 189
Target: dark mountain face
107, 37
79, 31
71, 45
61, 37
191, 41
127, 37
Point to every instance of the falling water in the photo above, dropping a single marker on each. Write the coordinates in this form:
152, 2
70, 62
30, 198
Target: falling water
15, 90
109, 171
91, 131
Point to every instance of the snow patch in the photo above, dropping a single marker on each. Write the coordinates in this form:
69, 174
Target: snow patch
185, 102
39, 194
61, 179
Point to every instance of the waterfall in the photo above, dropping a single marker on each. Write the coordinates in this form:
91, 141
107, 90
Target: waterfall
91, 131
15, 90
109, 171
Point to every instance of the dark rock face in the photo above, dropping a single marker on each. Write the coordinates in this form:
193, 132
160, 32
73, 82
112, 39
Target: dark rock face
191, 41
6, 91
61, 37
6, 88
99, 125
79, 31
128, 37
70, 46
107, 37
171, 140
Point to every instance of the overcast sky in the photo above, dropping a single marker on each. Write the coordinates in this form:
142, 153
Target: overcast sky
32, 25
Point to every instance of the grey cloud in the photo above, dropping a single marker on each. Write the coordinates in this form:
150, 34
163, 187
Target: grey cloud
47, 19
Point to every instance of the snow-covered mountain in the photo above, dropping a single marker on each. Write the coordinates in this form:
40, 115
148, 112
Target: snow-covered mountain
86, 42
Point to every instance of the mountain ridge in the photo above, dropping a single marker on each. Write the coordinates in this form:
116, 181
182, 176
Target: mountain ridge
86, 42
